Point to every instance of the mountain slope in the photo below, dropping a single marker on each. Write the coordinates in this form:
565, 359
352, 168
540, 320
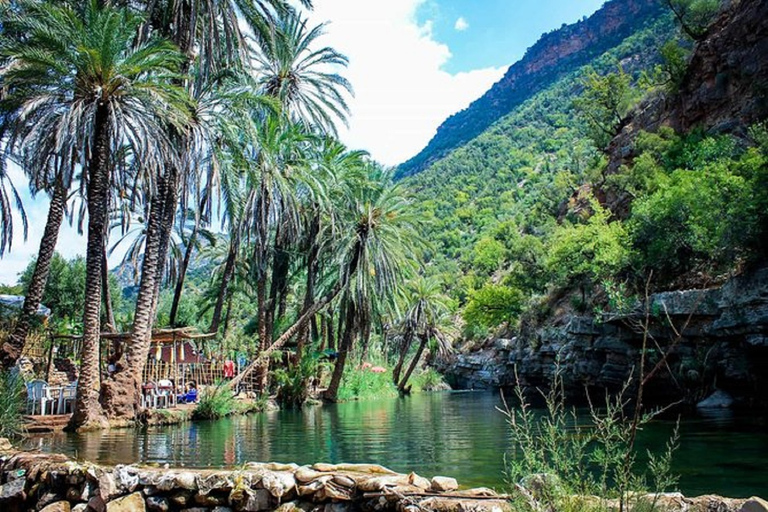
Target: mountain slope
555, 55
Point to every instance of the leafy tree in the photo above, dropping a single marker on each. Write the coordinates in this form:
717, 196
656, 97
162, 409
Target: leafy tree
694, 16
585, 253
491, 306
604, 103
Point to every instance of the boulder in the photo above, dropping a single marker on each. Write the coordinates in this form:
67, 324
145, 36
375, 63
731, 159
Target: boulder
755, 504
5, 445
12, 490
131, 503
59, 506
717, 400
279, 483
444, 484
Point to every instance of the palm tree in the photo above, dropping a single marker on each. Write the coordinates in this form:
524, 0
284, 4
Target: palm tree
90, 85
427, 317
377, 251
290, 68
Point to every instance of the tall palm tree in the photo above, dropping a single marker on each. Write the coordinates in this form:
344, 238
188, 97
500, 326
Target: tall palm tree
378, 250
90, 85
289, 67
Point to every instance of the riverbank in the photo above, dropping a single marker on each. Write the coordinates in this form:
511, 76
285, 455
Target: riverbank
181, 413
56, 483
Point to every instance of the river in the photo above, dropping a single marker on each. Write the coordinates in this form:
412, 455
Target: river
458, 434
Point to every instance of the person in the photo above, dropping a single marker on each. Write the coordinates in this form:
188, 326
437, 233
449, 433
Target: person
190, 394
229, 369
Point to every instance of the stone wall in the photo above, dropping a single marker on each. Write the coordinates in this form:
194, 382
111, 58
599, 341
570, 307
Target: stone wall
55, 483
724, 346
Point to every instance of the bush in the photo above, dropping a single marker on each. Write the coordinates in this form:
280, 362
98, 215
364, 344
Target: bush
12, 402
429, 380
561, 464
492, 305
363, 384
215, 402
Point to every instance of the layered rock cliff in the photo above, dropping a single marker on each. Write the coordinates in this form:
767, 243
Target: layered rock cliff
552, 57
717, 339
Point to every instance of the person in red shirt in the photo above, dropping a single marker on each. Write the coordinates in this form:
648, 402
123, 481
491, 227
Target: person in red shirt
229, 369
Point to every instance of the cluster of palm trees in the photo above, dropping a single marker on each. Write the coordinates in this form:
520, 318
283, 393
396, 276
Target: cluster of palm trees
184, 113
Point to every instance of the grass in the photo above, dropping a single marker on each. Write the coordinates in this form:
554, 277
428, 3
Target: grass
219, 401
428, 380
359, 384
12, 403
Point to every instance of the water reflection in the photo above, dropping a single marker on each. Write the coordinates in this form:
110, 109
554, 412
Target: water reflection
455, 434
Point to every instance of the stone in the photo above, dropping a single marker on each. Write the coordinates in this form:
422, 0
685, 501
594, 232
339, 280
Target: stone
126, 478
419, 481
444, 484
131, 503
5, 445
215, 482
158, 504
210, 500
97, 504
59, 506
755, 504
306, 474
279, 483
80, 507
717, 400
251, 500
344, 481
182, 498
222, 509
12, 490
186, 480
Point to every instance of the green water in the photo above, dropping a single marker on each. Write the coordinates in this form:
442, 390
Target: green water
454, 434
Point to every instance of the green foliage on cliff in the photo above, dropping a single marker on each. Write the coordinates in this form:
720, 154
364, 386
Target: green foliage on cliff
527, 210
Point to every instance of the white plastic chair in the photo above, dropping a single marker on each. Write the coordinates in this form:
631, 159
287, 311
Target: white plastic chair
38, 393
67, 398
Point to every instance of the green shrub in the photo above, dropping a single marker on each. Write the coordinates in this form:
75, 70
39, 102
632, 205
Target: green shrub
559, 462
12, 402
428, 380
216, 402
363, 384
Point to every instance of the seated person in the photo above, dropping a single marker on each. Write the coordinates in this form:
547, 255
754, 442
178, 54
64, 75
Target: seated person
190, 394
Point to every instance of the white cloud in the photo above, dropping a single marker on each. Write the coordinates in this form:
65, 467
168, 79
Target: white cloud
461, 24
401, 92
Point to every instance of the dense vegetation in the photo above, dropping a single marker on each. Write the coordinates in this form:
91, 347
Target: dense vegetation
522, 213
201, 137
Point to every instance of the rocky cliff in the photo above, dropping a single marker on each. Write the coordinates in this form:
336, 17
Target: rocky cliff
724, 331
553, 56
717, 339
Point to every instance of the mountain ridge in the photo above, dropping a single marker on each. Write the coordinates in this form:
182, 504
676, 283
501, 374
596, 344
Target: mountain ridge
554, 55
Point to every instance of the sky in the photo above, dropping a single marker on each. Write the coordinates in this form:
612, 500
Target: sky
413, 63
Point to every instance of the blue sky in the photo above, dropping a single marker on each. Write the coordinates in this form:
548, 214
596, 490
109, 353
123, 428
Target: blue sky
413, 63
489, 33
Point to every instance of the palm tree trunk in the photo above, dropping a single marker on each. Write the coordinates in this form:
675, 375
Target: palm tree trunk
88, 411
309, 295
406, 346
332, 392
365, 337
403, 383
304, 318
183, 272
12, 349
122, 391
226, 278
109, 311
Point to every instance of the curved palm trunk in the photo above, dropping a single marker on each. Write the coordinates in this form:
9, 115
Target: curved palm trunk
406, 346
226, 278
309, 295
122, 391
183, 273
403, 386
345, 347
12, 349
88, 411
